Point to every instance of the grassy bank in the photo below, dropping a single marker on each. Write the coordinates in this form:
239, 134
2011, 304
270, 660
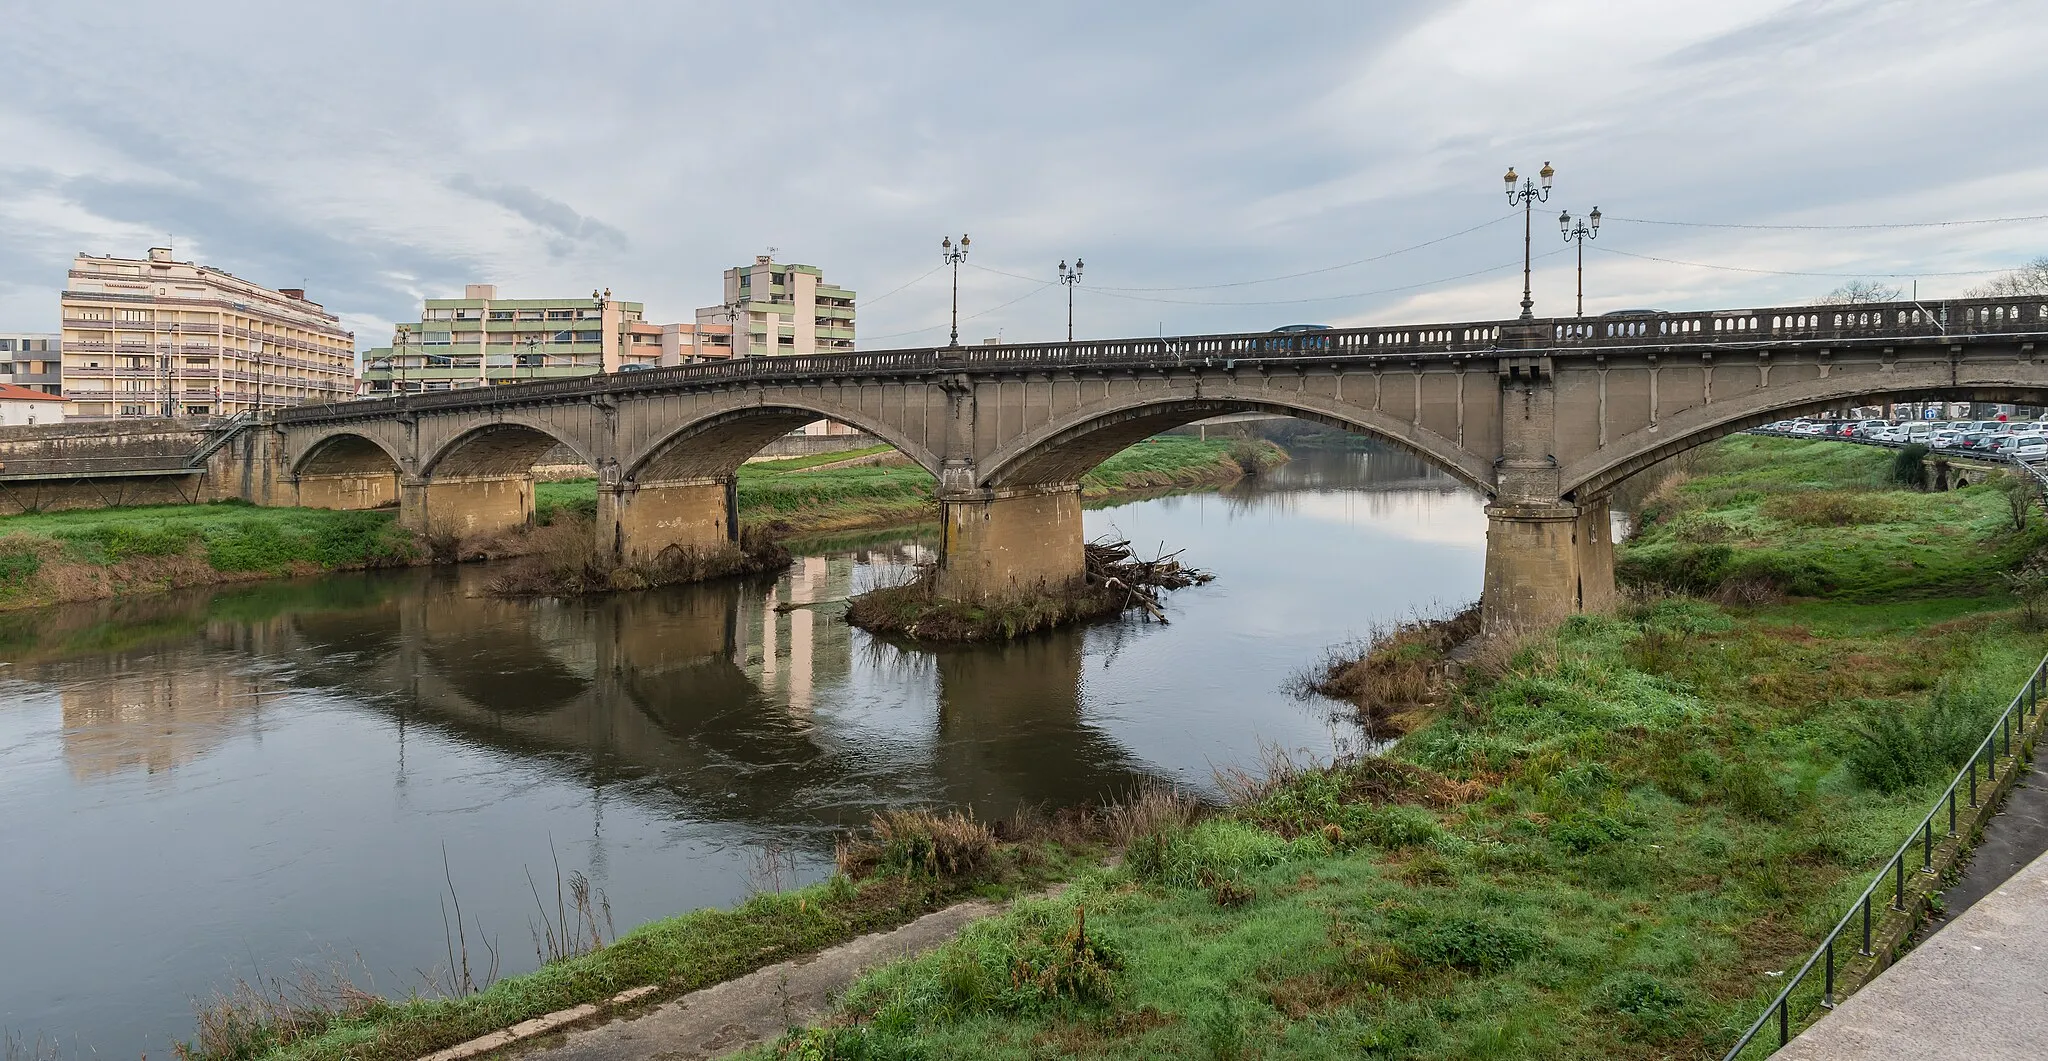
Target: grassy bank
909, 864
789, 497
1609, 840
84, 555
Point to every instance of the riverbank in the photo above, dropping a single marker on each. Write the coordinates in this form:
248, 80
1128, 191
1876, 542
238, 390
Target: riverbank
101, 553
1608, 840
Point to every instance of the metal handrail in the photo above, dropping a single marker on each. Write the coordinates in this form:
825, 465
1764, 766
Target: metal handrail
2027, 703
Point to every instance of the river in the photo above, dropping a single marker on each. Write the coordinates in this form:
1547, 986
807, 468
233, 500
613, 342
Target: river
201, 786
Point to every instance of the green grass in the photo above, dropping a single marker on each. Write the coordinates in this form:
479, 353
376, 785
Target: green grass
1603, 846
232, 538
1820, 519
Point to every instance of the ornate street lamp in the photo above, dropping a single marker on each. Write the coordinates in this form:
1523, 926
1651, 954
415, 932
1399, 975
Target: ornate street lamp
1526, 196
398, 362
1070, 277
1579, 234
953, 256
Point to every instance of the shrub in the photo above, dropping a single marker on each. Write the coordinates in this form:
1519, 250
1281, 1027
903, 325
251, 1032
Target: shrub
951, 844
1886, 753
1827, 508
1895, 748
1470, 943
1751, 790
1909, 467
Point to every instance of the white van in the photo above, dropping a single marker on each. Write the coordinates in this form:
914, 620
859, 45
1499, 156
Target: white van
1919, 432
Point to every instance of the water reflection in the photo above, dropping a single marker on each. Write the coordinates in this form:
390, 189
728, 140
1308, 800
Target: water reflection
198, 781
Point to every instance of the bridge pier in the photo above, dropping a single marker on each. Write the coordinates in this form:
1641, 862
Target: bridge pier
1545, 562
347, 491
994, 542
638, 521
466, 506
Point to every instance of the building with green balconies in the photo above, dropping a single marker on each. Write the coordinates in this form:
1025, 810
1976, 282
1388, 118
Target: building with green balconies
778, 308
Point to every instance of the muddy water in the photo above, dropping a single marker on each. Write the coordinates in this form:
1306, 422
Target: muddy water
198, 787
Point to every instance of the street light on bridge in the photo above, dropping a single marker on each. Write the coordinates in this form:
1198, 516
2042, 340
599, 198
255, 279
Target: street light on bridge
1070, 277
1580, 234
953, 256
1526, 196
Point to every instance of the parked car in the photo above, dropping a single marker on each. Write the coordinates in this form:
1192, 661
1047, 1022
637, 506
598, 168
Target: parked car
2028, 447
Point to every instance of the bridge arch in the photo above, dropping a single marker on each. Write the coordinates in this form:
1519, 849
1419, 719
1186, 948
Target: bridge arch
715, 445
346, 452
1065, 449
506, 446
1599, 472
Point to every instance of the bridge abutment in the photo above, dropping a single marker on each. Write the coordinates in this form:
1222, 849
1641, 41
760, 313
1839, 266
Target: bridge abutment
1008, 541
638, 521
466, 506
1544, 562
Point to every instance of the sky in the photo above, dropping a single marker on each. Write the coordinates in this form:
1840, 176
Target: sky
1220, 166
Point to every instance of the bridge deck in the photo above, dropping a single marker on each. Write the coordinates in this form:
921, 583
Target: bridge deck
1975, 990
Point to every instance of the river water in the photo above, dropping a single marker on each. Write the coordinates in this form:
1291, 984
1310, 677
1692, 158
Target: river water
201, 786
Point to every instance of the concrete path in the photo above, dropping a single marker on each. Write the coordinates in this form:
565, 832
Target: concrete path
755, 1008
2015, 836
1976, 990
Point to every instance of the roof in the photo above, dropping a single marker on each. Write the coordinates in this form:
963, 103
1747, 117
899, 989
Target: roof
12, 393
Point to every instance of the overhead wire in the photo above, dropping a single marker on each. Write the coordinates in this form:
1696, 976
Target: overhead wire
1325, 298
1832, 228
1791, 272
1271, 279
1042, 285
903, 286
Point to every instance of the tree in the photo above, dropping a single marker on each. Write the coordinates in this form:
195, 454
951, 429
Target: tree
2028, 279
1859, 292
2020, 496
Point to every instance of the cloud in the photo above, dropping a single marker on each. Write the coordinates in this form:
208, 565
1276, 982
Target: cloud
542, 212
1174, 145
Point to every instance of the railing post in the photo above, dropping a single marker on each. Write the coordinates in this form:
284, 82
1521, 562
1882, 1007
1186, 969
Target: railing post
1899, 884
1973, 781
1951, 810
1927, 845
1785, 1019
1865, 949
1827, 995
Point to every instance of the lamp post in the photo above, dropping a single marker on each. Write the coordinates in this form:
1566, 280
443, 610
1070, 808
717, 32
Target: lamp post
603, 301
532, 353
1070, 277
1579, 234
953, 256
398, 361
733, 310
1527, 196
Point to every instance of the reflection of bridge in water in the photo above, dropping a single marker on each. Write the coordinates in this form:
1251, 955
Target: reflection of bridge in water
708, 696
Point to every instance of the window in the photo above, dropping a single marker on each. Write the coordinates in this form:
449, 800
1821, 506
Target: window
7, 345
561, 314
6, 368
501, 314
134, 410
134, 314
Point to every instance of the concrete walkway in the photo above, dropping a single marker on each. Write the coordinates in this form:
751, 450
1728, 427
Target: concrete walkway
1976, 990
755, 1008
2015, 836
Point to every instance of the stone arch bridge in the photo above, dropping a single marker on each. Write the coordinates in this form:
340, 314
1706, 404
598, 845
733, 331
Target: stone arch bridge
1545, 417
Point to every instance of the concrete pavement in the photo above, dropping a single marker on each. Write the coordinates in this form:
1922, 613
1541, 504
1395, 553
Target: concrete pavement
1976, 991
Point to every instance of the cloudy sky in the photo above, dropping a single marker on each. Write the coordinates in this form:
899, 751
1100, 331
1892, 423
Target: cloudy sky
1221, 166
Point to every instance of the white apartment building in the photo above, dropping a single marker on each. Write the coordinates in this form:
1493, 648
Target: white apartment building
775, 308
157, 337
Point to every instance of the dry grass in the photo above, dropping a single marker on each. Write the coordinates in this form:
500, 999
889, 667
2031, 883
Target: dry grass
1398, 674
252, 1019
949, 844
1829, 508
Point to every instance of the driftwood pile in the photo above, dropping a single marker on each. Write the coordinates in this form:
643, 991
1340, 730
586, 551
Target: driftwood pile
1114, 565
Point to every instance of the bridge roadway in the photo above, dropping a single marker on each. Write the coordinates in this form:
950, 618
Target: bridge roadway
1544, 416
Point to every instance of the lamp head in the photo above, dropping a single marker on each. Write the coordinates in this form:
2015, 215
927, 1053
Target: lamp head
1063, 267
964, 241
1595, 218
1564, 223
1510, 178
1546, 173
1077, 267
946, 243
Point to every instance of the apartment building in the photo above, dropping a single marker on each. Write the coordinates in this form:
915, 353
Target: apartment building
32, 360
483, 340
776, 308
157, 337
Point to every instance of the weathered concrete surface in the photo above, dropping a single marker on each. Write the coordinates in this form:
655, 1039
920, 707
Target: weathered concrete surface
347, 491
755, 1008
2017, 835
1978, 989
640, 520
469, 506
1005, 544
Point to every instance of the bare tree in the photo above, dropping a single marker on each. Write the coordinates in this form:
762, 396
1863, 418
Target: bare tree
1859, 292
2028, 279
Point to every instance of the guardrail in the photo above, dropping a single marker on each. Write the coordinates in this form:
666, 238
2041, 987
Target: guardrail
2022, 712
